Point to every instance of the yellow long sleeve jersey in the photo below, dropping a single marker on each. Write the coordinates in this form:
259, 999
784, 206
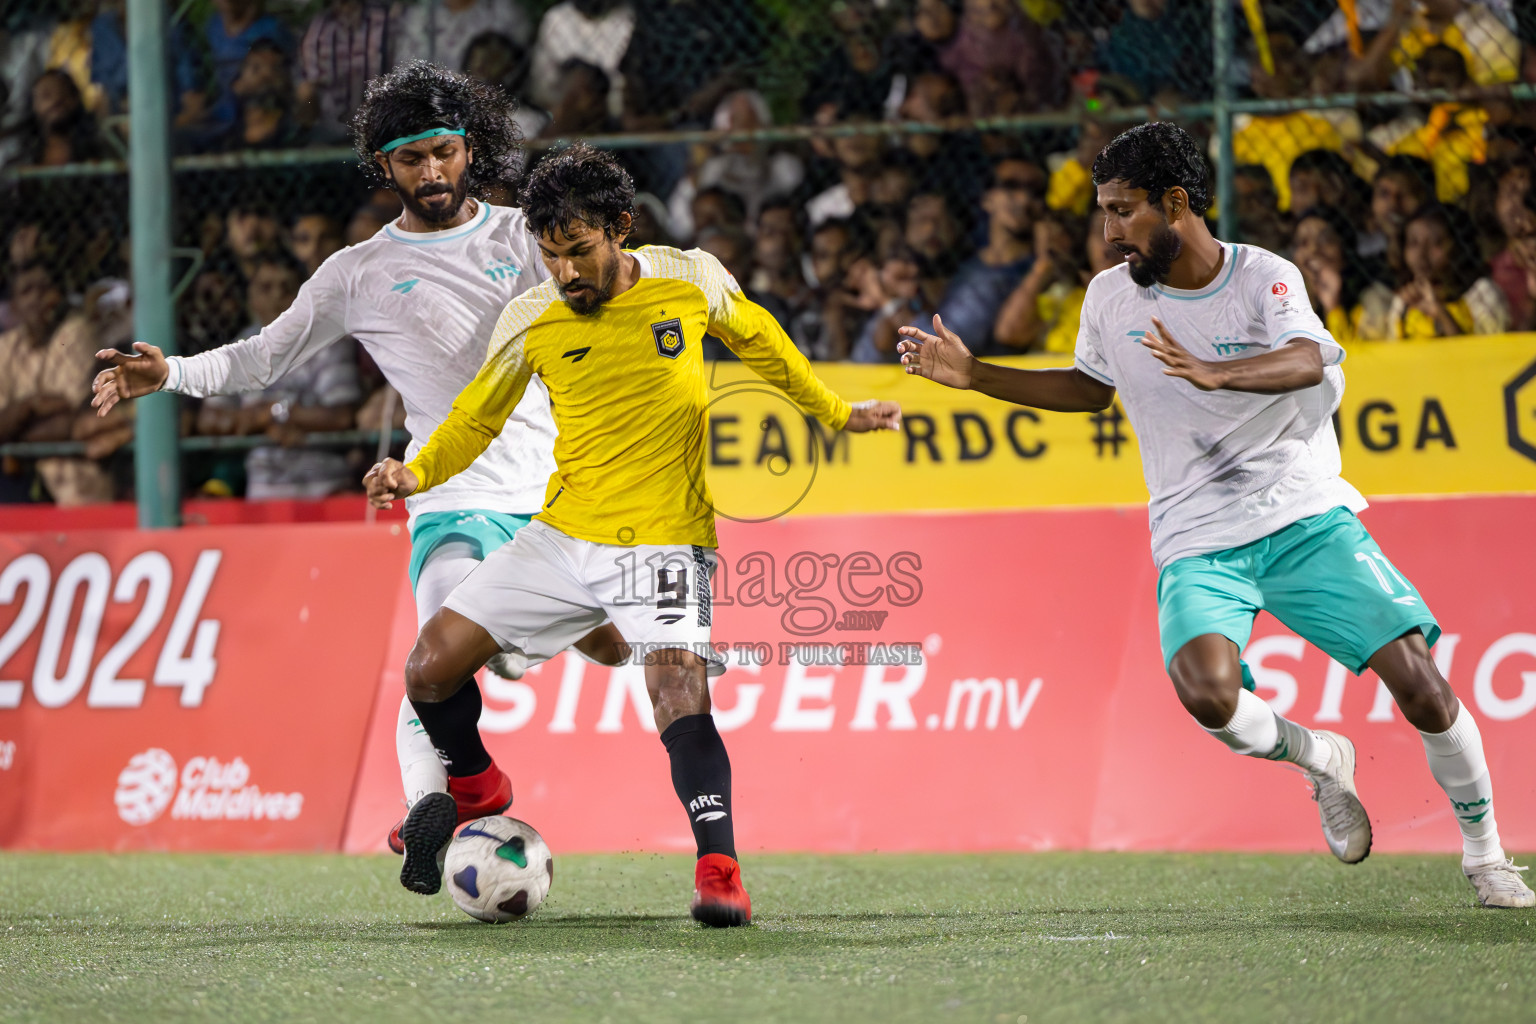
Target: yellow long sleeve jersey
628, 391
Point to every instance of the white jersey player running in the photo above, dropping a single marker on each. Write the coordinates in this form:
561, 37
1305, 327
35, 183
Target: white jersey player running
1230, 381
423, 297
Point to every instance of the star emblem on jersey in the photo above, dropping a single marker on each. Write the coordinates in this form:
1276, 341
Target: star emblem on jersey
669, 337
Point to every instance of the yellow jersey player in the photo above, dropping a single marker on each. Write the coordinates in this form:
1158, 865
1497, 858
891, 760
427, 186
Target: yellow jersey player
627, 528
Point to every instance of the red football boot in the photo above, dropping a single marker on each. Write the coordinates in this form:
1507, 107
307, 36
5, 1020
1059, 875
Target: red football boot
477, 796
490, 792
718, 898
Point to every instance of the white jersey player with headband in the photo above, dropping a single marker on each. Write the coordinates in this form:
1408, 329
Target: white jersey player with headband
422, 305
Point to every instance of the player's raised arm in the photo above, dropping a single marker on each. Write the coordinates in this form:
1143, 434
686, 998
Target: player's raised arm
1294, 365
755, 336
478, 415
1300, 345
313, 321
942, 357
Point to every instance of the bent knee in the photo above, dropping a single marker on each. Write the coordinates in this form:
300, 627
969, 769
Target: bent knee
1429, 705
679, 688
429, 675
1209, 692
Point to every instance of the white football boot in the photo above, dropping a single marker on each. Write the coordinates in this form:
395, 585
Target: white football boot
1500, 886
1346, 826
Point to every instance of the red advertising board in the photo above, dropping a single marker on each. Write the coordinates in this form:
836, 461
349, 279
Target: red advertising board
193, 689
920, 682
1036, 714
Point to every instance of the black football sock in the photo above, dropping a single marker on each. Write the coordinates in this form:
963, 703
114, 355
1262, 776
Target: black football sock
453, 726
701, 775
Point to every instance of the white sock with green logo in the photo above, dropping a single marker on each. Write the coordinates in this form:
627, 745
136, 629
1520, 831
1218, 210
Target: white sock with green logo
1256, 731
421, 770
1456, 760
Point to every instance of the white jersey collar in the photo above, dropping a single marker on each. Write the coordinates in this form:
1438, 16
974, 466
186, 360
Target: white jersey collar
1220, 281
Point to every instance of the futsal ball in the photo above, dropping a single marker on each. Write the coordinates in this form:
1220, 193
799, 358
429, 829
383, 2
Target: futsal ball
498, 869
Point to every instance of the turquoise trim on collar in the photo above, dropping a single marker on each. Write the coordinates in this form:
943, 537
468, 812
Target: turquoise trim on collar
480, 220
430, 133
1170, 293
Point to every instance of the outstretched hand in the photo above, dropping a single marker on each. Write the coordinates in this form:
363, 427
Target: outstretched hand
941, 357
1179, 361
387, 481
873, 415
131, 375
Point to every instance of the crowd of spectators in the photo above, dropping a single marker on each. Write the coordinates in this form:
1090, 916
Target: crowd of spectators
1407, 221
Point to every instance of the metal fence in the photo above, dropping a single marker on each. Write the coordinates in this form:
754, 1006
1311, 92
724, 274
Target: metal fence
856, 164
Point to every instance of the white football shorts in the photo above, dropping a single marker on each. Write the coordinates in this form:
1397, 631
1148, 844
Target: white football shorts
544, 590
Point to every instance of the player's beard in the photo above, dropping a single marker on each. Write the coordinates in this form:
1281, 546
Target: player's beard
594, 293
1154, 264
435, 213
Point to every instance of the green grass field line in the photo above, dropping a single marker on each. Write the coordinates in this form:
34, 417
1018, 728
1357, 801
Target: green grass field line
988, 938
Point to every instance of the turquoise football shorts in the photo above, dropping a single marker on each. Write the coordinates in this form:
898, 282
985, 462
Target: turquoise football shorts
478, 527
1324, 577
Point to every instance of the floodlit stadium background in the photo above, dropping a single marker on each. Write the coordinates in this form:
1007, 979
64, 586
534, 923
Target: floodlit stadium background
857, 166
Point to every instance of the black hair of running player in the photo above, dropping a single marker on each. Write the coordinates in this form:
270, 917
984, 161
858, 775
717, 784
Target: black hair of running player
418, 96
1156, 156
578, 184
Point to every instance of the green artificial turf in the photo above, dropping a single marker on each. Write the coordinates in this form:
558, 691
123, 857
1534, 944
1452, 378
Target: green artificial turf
991, 938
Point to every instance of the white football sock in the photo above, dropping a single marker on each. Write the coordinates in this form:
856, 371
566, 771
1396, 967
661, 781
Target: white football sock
1256, 731
421, 771
1456, 760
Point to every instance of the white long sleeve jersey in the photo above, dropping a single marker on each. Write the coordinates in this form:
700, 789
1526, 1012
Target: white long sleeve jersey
424, 306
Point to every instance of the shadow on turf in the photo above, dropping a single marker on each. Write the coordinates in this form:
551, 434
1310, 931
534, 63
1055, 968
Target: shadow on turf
611, 921
624, 931
586, 921
587, 932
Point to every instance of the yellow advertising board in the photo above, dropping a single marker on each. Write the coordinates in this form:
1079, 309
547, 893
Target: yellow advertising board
1447, 417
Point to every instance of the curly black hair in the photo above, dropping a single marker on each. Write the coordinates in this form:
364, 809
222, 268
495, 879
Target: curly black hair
578, 184
1156, 156
417, 96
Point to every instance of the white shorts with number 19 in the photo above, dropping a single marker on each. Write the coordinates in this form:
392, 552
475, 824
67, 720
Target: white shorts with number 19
544, 590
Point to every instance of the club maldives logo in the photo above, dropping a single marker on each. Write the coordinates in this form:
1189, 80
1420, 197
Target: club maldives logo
209, 790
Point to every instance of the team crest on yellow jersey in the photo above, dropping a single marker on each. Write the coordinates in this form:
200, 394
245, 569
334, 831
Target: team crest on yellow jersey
669, 337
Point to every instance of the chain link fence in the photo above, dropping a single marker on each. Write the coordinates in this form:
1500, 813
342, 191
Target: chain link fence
857, 165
